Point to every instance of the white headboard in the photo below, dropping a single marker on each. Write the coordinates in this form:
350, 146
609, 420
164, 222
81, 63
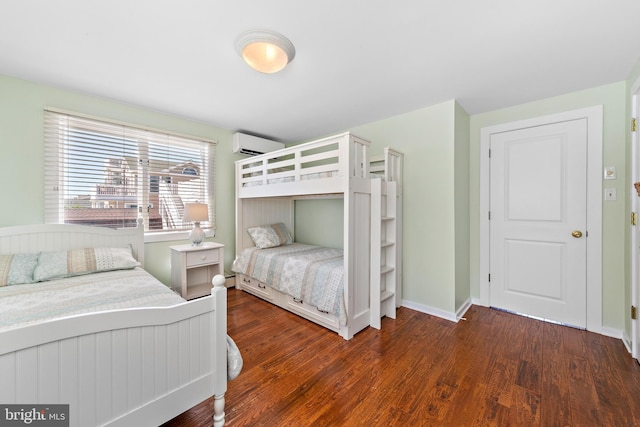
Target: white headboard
53, 237
262, 211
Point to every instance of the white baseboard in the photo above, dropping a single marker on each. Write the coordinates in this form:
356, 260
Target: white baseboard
476, 301
463, 309
612, 332
626, 340
448, 315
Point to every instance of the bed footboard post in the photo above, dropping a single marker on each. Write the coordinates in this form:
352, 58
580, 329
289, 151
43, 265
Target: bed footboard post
219, 350
218, 411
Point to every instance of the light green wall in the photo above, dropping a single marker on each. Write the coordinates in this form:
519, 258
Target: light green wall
427, 139
320, 222
21, 162
614, 213
435, 143
461, 162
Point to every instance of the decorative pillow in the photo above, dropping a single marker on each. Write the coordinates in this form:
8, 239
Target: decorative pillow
75, 262
270, 236
282, 232
17, 269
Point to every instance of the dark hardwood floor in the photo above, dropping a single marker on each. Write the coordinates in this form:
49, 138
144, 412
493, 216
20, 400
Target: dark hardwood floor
494, 369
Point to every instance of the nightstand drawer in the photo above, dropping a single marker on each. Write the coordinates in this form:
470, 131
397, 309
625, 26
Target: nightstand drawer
196, 258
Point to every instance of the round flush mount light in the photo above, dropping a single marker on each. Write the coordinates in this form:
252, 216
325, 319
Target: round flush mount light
265, 51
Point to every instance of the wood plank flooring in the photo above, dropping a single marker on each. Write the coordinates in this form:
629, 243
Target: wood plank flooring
494, 369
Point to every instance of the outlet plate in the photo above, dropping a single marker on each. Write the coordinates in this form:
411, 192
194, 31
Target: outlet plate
610, 194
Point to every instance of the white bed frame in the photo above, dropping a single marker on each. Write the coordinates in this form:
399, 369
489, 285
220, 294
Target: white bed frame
339, 166
121, 367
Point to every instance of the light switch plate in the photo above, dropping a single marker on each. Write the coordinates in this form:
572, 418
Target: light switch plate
610, 172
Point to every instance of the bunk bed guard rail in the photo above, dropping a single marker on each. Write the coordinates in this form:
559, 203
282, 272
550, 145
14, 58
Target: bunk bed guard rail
327, 163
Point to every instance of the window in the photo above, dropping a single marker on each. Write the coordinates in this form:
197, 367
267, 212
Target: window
110, 174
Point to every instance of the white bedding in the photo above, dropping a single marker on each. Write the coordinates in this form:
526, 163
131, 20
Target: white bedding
25, 304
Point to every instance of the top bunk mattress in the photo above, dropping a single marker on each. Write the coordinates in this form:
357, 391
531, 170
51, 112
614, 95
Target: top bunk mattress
256, 178
26, 304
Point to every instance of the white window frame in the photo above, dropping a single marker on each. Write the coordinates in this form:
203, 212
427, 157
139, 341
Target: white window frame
54, 200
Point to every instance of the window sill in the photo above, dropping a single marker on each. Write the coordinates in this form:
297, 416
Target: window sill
169, 236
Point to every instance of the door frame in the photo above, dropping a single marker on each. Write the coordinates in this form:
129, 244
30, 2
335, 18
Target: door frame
594, 203
634, 204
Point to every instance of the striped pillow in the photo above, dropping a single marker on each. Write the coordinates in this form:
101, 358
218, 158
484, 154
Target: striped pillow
17, 269
75, 262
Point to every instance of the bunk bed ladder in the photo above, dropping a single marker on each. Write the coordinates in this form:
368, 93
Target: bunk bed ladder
383, 250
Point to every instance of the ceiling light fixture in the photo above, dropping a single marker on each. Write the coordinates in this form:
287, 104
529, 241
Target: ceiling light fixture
265, 51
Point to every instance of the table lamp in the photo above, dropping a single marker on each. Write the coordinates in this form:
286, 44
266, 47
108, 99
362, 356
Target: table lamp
196, 212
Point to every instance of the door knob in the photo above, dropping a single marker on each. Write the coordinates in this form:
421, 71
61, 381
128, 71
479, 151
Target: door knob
576, 233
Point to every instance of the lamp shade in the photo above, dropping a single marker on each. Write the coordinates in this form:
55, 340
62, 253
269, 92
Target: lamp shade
265, 51
196, 212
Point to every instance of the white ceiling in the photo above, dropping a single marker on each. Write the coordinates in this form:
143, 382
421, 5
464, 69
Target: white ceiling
356, 60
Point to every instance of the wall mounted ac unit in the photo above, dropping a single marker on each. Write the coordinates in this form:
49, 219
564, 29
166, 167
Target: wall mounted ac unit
252, 145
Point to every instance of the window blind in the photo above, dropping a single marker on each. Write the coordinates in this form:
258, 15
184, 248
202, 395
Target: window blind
110, 174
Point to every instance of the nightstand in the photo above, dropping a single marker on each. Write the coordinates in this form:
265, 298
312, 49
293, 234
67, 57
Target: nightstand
193, 267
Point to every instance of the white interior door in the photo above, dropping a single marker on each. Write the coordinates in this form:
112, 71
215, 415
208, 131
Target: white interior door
538, 208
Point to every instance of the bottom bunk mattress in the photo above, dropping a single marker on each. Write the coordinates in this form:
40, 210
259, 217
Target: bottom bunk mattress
310, 273
25, 304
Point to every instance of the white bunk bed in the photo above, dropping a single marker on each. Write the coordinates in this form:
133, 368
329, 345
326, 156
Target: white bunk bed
119, 367
339, 166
